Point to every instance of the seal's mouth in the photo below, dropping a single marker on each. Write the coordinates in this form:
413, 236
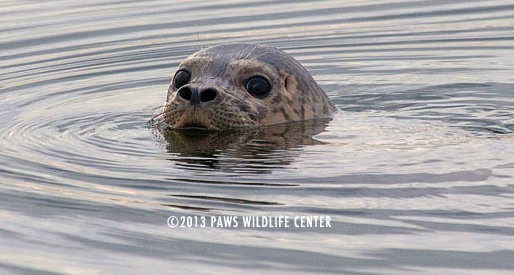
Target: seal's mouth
198, 124
193, 119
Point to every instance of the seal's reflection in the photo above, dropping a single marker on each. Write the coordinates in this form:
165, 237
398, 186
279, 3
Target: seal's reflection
259, 150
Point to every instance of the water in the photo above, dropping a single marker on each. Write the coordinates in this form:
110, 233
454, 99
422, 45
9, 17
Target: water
415, 172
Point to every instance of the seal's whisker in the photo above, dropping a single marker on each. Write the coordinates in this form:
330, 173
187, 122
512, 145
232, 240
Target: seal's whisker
198, 40
222, 96
250, 52
159, 114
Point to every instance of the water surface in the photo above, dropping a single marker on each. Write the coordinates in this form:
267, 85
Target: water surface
415, 172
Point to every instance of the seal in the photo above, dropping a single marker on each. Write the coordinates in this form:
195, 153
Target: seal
232, 86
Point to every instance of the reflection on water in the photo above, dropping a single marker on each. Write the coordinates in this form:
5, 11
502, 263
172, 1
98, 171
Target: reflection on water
415, 172
261, 150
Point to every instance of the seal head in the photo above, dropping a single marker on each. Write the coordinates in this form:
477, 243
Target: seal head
234, 86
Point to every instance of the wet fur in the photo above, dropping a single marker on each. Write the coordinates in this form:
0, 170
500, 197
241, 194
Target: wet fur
295, 94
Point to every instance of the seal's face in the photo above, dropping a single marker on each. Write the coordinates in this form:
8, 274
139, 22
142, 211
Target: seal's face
242, 85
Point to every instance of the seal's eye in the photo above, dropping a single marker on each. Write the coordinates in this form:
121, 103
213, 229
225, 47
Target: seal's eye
258, 86
182, 77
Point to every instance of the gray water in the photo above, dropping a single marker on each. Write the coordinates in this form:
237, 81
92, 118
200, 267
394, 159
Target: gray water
415, 172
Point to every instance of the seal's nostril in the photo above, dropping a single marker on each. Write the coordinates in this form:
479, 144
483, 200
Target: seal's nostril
191, 94
208, 95
185, 93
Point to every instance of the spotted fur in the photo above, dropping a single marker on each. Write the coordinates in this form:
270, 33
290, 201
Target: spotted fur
295, 95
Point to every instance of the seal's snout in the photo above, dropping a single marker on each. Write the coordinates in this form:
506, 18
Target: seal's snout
242, 85
197, 96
